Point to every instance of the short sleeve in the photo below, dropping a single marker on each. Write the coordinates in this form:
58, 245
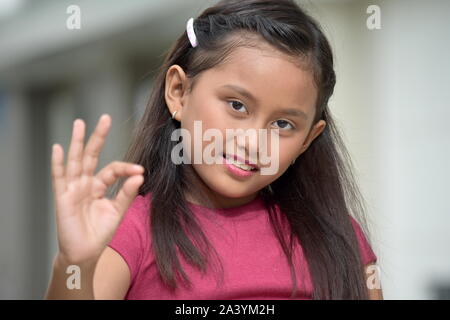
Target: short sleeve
130, 237
367, 254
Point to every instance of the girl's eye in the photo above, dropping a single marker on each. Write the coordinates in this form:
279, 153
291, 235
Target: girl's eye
237, 106
284, 124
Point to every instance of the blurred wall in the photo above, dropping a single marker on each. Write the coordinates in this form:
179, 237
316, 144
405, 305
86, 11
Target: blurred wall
49, 76
390, 101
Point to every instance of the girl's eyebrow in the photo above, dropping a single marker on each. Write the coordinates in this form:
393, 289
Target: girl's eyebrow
249, 95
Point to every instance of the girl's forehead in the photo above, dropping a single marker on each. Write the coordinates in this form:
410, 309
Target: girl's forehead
266, 74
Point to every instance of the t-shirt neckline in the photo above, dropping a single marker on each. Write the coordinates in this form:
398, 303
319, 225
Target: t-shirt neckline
246, 210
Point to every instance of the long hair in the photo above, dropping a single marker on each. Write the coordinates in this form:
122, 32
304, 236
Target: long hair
316, 195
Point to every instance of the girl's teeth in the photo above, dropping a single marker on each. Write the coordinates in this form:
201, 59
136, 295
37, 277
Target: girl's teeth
240, 165
243, 167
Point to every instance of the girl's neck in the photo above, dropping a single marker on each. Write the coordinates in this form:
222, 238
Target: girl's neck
218, 201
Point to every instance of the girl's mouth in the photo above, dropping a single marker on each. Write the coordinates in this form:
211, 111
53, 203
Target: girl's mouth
239, 168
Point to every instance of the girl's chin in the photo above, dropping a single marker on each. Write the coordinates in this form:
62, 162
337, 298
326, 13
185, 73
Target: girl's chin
223, 182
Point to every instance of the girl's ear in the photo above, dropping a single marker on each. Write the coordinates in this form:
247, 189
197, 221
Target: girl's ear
315, 132
176, 87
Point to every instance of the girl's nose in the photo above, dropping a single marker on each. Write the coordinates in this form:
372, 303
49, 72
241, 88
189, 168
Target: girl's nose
247, 143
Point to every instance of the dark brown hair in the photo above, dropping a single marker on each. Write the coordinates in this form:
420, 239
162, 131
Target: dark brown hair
316, 195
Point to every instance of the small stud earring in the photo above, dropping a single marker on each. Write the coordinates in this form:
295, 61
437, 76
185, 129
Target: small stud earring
173, 115
293, 161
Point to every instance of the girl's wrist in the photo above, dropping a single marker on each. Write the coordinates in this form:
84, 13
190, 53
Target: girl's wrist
62, 261
72, 279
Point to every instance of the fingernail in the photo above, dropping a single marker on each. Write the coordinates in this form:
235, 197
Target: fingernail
138, 167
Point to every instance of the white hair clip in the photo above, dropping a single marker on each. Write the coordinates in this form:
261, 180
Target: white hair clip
190, 32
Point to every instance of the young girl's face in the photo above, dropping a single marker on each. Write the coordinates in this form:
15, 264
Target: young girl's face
276, 84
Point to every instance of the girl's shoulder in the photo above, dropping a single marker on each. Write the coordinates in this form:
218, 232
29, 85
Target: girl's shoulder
141, 203
138, 211
132, 238
366, 251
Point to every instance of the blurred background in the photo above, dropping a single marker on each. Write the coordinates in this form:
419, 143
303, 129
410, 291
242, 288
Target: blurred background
391, 102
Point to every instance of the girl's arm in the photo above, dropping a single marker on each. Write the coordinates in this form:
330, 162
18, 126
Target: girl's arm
105, 279
63, 283
111, 277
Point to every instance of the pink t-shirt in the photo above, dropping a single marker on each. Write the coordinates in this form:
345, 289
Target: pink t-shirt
254, 264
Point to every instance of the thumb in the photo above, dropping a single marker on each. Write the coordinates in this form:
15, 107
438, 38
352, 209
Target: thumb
127, 193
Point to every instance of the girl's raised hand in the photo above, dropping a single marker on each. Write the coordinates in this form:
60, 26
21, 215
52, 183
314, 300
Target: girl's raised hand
86, 220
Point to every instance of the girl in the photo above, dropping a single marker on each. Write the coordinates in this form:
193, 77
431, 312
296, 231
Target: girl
222, 230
